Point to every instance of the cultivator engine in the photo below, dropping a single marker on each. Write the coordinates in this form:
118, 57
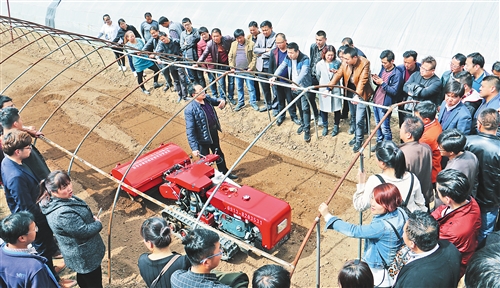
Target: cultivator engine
241, 211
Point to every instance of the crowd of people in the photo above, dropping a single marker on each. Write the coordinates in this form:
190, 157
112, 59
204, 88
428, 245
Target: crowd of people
434, 204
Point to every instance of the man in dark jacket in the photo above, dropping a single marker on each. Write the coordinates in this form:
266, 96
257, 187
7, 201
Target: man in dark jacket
425, 85
389, 81
219, 48
409, 67
202, 126
433, 262
172, 47
486, 147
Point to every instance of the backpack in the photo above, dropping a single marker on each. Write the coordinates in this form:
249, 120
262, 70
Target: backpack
405, 203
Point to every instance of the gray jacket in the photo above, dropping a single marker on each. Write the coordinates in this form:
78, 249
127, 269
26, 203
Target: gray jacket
77, 233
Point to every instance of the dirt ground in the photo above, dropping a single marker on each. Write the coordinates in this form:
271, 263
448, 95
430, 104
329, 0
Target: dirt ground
281, 164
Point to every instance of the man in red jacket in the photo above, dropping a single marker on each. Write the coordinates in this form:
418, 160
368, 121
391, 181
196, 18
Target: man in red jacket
459, 217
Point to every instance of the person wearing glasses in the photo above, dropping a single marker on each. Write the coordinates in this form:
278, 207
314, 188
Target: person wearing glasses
425, 85
157, 267
21, 191
203, 250
19, 230
75, 228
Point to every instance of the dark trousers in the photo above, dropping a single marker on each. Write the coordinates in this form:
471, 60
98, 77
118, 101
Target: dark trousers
271, 102
215, 149
180, 79
45, 245
196, 76
90, 280
119, 53
285, 93
141, 74
306, 111
256, 87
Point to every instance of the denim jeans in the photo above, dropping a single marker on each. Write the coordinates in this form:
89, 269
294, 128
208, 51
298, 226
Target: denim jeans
488, 219
360, 122
241, 91
213, 87
384, 132
222, 86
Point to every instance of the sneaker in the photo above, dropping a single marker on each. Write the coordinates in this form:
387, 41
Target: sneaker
167, 86
300, 130
157, 85
325, 131
374, 148
120, 68
356, 147
145, 92
297, 121
263, 109
254, 106
124, 68
279, 121
307, 136
335, 130
351, 129
234, 102
135, 74
239, 107
232, 176
352, 142
275, 113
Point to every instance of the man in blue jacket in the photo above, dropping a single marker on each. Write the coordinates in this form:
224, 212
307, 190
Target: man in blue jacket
453, 113
389, 81
298, 65
203, 126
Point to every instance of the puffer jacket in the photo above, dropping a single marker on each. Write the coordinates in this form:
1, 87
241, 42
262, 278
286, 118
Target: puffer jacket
77, 233
486, 147
197, 129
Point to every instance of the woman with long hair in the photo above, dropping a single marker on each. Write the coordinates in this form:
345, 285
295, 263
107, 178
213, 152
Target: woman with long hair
383, 235
141, 63
393, 164
75, 228
157, 266
325, 69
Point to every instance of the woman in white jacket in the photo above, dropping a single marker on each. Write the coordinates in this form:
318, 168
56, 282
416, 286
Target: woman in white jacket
393, 164
325, 69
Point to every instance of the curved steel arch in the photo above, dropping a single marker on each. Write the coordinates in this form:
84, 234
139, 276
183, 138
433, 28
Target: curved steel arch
74, 92
20, 49
34, 64
106, 114
54, 77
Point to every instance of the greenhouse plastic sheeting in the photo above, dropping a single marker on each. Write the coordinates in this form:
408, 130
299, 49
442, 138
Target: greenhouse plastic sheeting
440, 29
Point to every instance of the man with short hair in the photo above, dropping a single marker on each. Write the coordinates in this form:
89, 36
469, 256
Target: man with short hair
189, 39
253, 28
205, 37
433, 262
471, 99
486, 146
242, 58
426, 111
203, 126
265, 42
218, 48
474, 64
452, 144
150, 46
347, 41
21, 186
459, 217
389, 82
20, 266
171, 46
457, 65
146, 26
418, 155
453, 113
480, 271
174, 28
425, 85
271, 276
297, 65
315, 54
490, 92
277, 56
495, 69
355, 72
203, 250
409, 66
5, 101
